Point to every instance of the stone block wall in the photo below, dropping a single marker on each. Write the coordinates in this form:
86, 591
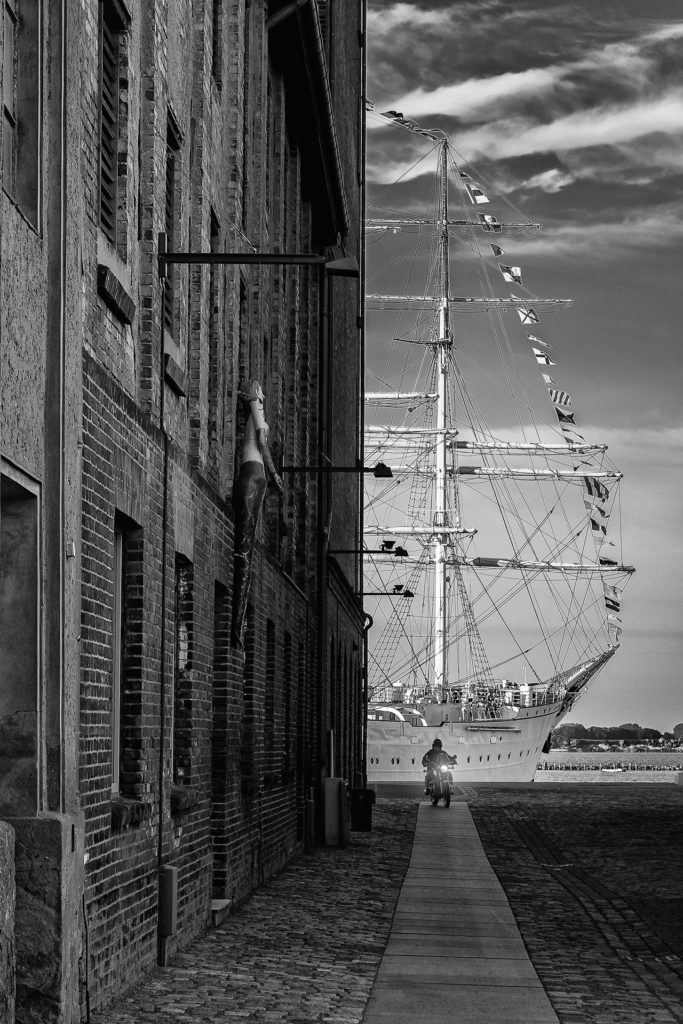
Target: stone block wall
49, 855
7, 910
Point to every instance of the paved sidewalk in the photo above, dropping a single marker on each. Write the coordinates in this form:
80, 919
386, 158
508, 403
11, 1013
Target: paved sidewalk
455, 952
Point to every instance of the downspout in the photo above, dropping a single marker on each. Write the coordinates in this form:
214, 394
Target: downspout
361, 383
369, 622
164, 555
322, 510
52, 707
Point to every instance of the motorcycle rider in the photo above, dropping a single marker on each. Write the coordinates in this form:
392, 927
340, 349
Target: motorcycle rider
434, 758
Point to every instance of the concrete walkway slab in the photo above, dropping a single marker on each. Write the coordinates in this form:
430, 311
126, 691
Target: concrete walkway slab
495, 947
458, 1004
454, 953
458, 970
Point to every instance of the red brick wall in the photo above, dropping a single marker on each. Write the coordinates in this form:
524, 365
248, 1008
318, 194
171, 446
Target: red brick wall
250, 727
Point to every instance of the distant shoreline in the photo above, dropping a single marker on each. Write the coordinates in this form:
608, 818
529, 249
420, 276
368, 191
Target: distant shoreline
631, 766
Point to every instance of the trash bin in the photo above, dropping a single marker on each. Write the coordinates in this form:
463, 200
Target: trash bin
361, 809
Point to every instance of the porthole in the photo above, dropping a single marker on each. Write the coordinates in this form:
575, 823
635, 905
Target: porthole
412, 761
392, 760
468, 760
488, 757
499, 757
398, 760
509, 756
481, 757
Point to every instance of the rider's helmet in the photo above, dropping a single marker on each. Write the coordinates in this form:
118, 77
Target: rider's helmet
437, 743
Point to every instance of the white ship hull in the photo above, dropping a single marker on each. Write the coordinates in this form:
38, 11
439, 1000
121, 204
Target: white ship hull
488, 750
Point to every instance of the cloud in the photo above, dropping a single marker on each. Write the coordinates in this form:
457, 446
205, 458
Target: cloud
612, 97
603, 125
601, 241
404, 16
625, 66
551, 181
470, 98
674, 30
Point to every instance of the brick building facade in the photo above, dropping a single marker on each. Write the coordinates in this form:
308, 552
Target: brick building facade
152, 767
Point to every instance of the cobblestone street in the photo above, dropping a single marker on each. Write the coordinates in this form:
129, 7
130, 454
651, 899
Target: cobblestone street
592, 875
304, 949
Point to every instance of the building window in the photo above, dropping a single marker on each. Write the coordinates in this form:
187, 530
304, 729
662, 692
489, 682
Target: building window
249, 745
126, 668
217, 42
287, 698
215, 279
21, 88
223, 742
9, 100
269, 696
113, 24
117, 641
171, 219
20, 632
182, 676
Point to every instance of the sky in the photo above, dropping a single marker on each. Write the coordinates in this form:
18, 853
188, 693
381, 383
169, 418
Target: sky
575, 111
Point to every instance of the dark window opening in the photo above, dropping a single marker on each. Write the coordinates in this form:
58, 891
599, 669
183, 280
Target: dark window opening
269, 701
113, 24
182, 675
21, 95
20, 629
287, 699
9, 101
126, 687
171, 219
217, 42
217, 361
249, 747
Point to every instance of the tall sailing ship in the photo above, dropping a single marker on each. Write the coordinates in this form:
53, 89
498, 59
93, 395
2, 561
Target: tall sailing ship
493, 574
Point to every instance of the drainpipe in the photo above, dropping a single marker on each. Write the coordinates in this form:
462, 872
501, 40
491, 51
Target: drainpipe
162, 640
369, 622
322, 523
51, 791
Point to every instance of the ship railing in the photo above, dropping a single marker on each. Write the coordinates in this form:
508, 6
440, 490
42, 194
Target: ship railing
500, 706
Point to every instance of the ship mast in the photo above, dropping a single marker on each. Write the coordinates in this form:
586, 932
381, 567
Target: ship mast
443, 344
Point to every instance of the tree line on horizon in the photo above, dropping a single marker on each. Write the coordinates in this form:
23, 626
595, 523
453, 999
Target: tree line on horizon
630, 732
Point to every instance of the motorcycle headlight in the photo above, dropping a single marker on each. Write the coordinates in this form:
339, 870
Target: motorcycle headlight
444, 767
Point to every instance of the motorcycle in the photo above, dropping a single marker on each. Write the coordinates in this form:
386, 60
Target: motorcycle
438, 785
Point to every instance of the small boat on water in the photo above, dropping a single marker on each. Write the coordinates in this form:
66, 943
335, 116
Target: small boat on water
493, 574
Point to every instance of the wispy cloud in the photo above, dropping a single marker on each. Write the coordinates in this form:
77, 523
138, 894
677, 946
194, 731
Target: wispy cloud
468, 99
601, 125
406, 17
553, 180
604, 242
612, 96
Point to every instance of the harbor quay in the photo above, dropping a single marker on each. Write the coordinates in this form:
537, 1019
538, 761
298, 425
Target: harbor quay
580, 885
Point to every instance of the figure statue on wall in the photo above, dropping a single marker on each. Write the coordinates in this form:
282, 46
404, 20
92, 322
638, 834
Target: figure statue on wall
248, 494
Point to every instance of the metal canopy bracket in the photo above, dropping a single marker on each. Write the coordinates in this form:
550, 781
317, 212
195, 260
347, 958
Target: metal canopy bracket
345, 267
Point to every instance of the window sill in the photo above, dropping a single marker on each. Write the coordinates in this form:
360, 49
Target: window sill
114, 295
174, 376
183, 798
127, 812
